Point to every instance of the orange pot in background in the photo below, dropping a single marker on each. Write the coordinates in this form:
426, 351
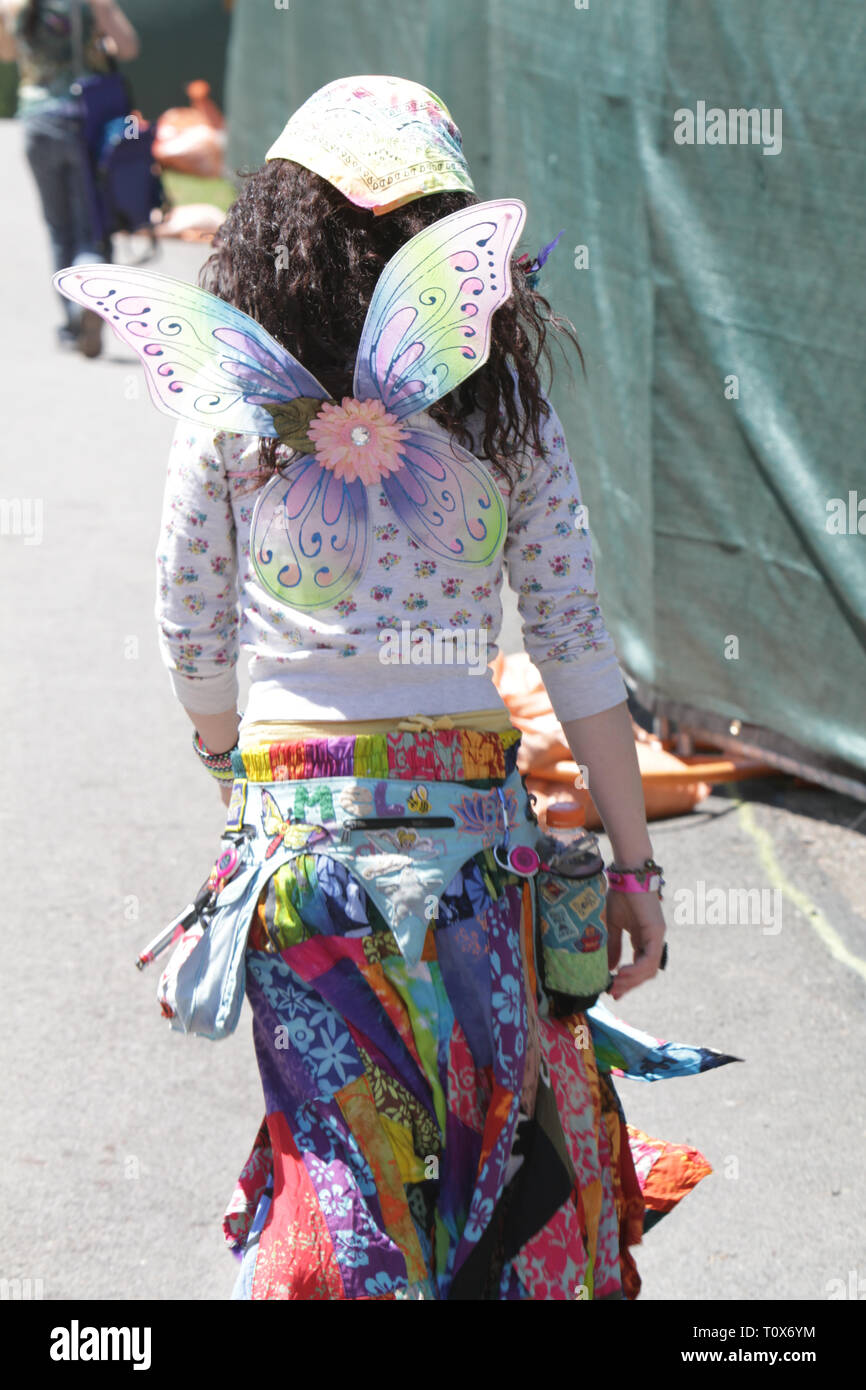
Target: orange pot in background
192, 138
671, 785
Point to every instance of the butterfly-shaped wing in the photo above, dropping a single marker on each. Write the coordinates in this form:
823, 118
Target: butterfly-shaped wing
308, 539
447, 500
428, 324
205, 361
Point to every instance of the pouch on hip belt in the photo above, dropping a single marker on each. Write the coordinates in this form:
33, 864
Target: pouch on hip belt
572, 889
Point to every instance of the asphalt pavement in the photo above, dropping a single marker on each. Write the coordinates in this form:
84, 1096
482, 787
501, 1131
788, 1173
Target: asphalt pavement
121, 1140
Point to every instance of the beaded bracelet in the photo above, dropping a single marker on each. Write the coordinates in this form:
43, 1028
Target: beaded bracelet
219, 765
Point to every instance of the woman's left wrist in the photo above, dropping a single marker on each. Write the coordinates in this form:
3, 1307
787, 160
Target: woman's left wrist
219, 765
222, 731
630, 854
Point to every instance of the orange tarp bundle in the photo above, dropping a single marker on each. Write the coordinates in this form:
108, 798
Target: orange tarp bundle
672, 785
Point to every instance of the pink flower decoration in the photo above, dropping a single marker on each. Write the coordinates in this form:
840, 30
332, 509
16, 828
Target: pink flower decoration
357, 439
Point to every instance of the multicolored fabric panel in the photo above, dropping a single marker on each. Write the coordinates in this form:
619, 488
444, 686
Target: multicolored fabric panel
666, 1172
626, 1051
445, 755
428, 1134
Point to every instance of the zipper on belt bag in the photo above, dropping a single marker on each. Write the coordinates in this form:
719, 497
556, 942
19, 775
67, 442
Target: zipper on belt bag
385, 823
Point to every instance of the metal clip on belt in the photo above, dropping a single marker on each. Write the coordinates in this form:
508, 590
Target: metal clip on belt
206, 897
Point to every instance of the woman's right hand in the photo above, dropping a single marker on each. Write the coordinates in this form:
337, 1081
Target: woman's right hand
640, 917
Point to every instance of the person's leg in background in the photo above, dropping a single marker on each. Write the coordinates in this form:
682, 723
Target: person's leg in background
46, 156
88, 247
57, 159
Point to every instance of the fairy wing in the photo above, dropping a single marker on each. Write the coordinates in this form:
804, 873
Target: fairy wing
204, 360
309, 534
428, 324
447, 500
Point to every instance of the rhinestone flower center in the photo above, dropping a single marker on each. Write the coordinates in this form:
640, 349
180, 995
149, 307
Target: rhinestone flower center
359, 441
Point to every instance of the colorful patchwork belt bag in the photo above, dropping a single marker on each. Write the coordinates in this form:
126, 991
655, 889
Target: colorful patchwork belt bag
202, 989
572, 888
404, 856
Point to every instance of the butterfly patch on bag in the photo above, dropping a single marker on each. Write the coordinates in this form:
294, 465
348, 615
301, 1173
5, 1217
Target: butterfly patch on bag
427, 330
286, 833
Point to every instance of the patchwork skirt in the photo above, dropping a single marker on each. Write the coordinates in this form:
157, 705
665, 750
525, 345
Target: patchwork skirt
432, 1128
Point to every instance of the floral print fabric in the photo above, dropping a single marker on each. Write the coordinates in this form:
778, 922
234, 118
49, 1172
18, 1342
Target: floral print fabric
210, 602
430, 1132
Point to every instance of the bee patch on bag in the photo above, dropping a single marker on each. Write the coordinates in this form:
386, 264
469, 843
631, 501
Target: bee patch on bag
417, 801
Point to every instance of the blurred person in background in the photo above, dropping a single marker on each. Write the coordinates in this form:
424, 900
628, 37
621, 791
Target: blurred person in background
56, 43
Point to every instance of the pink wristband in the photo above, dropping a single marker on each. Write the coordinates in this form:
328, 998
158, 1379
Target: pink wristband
647, 879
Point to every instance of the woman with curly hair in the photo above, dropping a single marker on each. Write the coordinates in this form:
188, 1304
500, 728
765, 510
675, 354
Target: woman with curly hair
422, 969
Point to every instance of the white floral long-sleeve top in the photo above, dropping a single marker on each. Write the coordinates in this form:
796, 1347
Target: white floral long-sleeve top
333, 665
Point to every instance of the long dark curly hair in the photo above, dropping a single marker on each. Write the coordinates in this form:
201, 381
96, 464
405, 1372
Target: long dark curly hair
302, 260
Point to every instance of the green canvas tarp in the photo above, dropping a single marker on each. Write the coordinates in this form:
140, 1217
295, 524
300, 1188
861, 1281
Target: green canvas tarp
719, 302
180, 41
